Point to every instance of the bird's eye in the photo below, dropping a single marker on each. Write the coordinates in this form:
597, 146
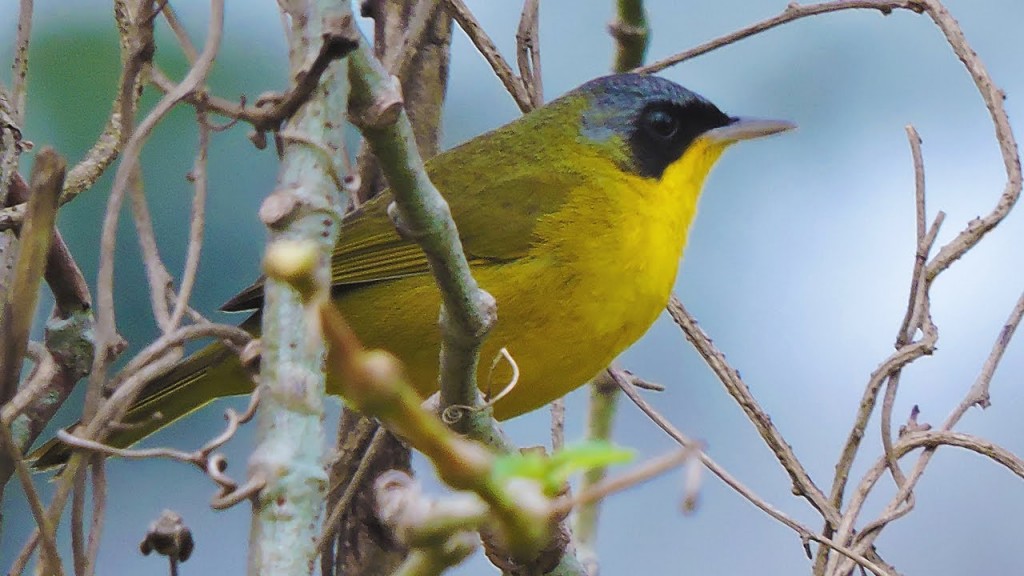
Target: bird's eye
661, 124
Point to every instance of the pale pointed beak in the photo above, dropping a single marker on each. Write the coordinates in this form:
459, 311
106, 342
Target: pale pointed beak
747, 129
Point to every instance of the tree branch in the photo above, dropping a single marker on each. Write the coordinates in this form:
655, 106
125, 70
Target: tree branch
467, 312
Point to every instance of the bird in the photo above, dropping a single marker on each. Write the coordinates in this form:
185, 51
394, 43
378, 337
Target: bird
574, 217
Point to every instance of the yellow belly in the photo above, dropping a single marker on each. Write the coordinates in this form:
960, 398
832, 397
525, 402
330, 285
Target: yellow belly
582, 295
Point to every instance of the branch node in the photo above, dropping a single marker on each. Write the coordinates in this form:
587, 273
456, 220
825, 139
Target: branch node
250, 355
72, 340
383, 111
339, 36
403, 229
280, 208
168, 536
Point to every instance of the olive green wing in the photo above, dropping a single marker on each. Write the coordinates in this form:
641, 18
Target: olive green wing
495, 216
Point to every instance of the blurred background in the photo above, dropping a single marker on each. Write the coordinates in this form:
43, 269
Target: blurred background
798, 265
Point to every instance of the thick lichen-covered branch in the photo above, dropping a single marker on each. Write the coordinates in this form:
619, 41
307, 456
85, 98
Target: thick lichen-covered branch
288, 459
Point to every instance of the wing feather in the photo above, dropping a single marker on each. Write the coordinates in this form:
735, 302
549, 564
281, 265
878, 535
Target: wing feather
486, 171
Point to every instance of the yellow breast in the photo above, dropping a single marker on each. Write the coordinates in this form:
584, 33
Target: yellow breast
594, 281
610, 268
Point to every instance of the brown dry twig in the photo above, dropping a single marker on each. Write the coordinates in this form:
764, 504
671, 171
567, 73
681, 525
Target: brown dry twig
213, 465
271, 110
153, 360
528, 52
471, 26
135, 34
793, 12
806, 535
803, 485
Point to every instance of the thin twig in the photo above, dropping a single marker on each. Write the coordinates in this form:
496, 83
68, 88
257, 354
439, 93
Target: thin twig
469, 24
155, 359
352, 487
805, 533
99, 513
135, 35
642, 473
994, 99
77, 525
19, 85
792, 12
105, 322
160, 281
970, 236
558, 424
803, 485
197, 220
917, 305
180, 34
45, 527
528, 52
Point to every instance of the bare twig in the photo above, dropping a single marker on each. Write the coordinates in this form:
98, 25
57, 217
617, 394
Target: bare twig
160, 282
604, 397
171, 16
528, 52
197, 221
19, 87
970, 236
77, 524
199, 457
152, 361
469, 24
45, 527
135, 33
792, 12
803, 485
558, 424
99, 513
640, 474
994, 101
105, 325
203, 458
805, 533
917, 316
352, 487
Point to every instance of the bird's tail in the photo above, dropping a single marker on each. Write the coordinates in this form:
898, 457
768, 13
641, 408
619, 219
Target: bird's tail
211, 373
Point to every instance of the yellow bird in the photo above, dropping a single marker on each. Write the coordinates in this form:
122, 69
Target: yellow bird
574, 217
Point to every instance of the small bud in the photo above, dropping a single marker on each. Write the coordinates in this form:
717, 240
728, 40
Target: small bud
278, 208
293, 262
168, 536
467, 465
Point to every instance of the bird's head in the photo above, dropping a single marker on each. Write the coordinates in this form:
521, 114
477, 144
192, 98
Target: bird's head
658, 129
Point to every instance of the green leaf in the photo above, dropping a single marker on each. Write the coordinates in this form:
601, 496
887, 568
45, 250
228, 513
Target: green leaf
554, 470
